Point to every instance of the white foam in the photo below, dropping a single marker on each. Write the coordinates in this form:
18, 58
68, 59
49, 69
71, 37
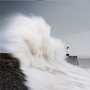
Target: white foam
42, 56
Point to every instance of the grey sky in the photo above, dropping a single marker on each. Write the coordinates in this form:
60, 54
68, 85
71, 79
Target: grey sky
70, 20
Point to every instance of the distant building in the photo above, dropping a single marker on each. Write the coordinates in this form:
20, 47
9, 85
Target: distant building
67, 50
71, 59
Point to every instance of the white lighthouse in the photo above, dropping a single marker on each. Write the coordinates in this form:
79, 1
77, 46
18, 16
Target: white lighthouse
70, 58
67, 50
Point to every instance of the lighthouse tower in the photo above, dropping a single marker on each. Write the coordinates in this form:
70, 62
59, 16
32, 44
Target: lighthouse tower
67, 50
70, 58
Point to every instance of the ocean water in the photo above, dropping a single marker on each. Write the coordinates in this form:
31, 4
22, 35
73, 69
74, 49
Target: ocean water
84, 62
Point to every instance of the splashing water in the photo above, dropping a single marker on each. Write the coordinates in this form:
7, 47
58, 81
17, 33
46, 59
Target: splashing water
42, 56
